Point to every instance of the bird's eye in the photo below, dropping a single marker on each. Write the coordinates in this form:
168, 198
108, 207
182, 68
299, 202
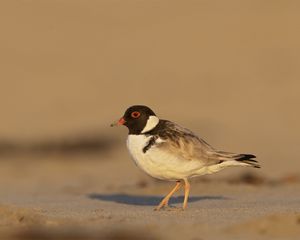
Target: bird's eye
135, 114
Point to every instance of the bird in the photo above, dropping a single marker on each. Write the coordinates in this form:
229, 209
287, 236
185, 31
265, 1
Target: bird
167, 151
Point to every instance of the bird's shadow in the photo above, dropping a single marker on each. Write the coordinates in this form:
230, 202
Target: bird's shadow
141, 200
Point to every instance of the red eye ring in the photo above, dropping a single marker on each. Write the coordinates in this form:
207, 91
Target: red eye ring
135, 114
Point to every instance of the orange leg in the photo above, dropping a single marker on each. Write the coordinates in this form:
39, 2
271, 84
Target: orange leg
165, 201
186, 193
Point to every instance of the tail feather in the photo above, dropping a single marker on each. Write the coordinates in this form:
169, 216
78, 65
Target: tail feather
248, 158
243, 158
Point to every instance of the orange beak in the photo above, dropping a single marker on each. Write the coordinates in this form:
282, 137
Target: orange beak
118, 123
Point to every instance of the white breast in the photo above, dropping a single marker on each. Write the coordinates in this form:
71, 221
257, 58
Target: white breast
135, 145
159, 163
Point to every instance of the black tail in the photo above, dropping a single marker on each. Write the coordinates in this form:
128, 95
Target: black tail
243, 158
247, 158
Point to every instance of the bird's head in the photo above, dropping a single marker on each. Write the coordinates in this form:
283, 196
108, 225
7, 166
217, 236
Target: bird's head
138, 119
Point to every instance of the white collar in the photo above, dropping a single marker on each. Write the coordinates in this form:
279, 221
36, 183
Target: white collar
151, 123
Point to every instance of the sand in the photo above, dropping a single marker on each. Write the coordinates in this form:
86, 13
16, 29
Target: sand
66, 198
228, 70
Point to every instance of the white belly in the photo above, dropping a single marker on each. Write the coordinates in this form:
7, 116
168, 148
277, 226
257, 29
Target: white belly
161, 164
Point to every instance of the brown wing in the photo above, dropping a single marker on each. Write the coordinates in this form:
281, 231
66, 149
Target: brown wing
185, 144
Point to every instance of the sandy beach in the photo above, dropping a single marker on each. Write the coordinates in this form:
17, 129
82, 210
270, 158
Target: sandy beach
54, 200
228, 70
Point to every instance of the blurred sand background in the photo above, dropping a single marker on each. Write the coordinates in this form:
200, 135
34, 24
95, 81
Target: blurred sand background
229, 70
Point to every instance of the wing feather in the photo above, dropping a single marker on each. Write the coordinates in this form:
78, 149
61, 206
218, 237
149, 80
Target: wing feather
184, 144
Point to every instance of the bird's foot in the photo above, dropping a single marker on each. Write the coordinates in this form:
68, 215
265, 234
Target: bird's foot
158, 208
164, 203
173, 209
168, 208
